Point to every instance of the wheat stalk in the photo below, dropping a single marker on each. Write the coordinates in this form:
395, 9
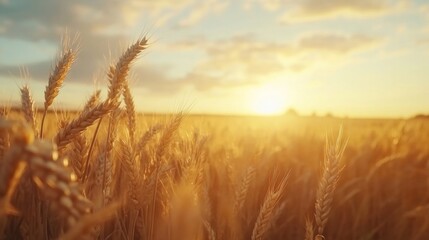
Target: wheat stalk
56, 182
12, 165
104, 171
164, 141
56, 79
80, 124
117, 75
92, 101
331, 173
210, 232
131, 112
132, 171
265, 217
167, 135
58, 75
4, 144
149, 134
4, 141
27, 105
309, 230
241, 192
21, 136
79, 151
86, 224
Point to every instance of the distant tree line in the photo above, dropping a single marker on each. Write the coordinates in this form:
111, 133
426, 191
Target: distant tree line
421, 116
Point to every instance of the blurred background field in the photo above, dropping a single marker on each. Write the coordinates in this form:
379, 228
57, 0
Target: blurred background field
382, 192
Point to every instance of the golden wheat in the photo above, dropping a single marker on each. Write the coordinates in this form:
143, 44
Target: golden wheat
27, 104
56, 79
331, 173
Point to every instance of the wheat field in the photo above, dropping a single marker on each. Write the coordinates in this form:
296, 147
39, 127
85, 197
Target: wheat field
109, 172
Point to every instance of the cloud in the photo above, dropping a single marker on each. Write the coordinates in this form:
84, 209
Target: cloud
310, 10
315, 9
202, 9
362, 6
335, 43
245, 60
271, 5
228, 63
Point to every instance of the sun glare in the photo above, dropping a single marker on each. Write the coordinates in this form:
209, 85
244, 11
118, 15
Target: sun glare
269, 100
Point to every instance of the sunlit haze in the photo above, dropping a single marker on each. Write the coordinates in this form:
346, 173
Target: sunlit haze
357, 58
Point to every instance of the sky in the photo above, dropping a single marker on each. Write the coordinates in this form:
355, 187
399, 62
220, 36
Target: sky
356, 58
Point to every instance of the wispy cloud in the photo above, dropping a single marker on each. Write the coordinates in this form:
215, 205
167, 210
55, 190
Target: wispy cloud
336, 43
202, 9
314, 9
245, 60
271, 5
310, 10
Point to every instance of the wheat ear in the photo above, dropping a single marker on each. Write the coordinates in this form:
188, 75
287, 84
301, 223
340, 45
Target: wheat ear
118, 74
56, 80
164, 141
4, 141
80, 124
309, 230
265, 217
27, 105
11, 165
78, 155
104, 170
167, 135
93, 100
86, 224
210, 232
117, 77
147, 136
56, 181
131, 111
331, 173
131, 169
241, 192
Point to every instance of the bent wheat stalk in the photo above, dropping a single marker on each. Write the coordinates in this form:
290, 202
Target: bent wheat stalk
117, 76
92, 101
80, 124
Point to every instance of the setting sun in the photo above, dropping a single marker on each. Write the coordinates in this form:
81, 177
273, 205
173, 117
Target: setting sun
269, 100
